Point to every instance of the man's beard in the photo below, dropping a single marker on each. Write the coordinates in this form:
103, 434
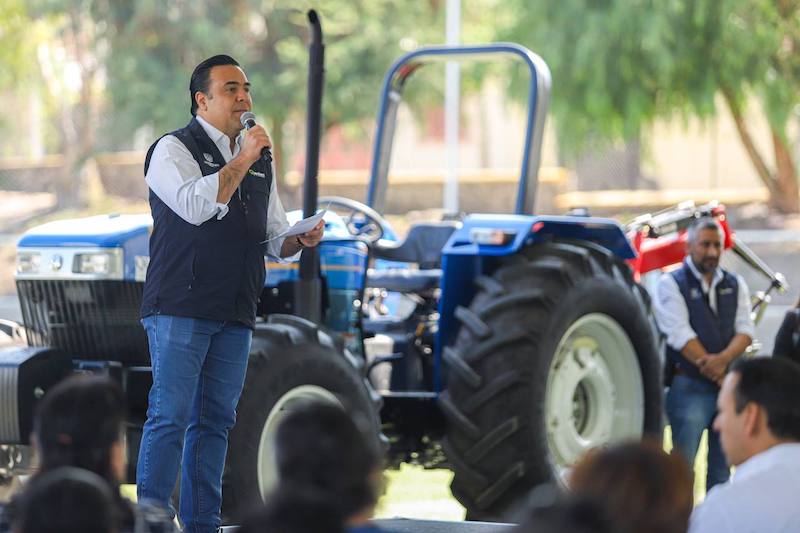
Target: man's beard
707, 266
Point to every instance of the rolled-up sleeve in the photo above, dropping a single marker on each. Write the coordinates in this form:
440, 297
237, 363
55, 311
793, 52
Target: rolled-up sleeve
744, 320
671, 312
175, 177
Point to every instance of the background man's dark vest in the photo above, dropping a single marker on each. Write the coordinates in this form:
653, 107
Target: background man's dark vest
214, 270
714, 330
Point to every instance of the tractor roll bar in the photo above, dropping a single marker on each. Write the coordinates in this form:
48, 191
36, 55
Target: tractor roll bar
391, 96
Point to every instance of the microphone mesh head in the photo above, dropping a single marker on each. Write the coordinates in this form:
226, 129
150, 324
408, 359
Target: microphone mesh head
246, 116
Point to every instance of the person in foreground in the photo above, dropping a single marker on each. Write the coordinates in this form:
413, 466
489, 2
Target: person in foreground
759, 426
320, 449
216, 215
704, 311
293, 509
566, 514
67, 500
641, 487
80, 423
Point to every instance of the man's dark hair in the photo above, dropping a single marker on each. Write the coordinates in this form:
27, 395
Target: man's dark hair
320, 446
201, 77
65, 499
576, 514
773, 384
293, 509
77, 422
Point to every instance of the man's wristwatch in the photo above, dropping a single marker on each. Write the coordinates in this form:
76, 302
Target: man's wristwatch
299, 242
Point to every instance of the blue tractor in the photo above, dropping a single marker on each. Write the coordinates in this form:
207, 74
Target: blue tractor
499, 346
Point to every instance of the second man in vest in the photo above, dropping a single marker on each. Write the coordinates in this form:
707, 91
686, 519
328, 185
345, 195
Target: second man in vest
704, 311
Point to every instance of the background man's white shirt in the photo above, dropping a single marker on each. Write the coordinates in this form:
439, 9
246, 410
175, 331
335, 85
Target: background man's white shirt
672, 315
761, 497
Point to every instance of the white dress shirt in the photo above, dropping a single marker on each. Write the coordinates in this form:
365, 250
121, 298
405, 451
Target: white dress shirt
672, 314
761, 497
175, 177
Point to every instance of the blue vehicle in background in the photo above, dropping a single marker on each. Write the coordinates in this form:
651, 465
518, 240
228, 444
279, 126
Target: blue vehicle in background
499, 346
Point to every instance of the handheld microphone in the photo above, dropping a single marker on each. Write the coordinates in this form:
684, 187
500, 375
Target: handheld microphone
248, 120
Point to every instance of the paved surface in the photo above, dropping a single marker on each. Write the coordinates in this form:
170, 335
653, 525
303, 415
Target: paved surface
9, 308
780, 249
16, 207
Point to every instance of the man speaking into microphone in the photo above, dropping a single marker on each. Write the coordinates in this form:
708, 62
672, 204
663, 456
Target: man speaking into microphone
215, 207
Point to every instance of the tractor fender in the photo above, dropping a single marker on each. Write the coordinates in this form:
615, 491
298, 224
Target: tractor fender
513, 232
468, 255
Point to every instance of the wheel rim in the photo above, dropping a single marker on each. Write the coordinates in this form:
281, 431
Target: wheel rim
595, 393
302, 395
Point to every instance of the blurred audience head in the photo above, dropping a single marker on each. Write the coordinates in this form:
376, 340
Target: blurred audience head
758, 407
293, 509
570, 514
320, 447
79, 423
644, 489
66, 499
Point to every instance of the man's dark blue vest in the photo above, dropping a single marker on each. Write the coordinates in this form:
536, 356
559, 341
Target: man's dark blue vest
214, 270
714, 330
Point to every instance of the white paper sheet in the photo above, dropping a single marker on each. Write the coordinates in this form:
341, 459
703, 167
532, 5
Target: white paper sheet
300, 227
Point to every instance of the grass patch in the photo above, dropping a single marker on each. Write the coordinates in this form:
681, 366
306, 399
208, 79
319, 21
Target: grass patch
413, 492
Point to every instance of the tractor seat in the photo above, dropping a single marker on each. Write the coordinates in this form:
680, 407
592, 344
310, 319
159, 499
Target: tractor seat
404, 279
423, 244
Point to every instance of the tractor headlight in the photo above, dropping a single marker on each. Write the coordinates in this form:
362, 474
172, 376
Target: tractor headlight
99, 263
28, 262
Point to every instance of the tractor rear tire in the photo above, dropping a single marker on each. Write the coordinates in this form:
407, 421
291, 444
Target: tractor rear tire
292, 362
556, 354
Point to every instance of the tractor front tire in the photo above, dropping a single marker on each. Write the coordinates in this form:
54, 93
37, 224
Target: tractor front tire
292, 362
556, 354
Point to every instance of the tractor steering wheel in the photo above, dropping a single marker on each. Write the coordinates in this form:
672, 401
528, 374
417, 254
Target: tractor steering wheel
361, 220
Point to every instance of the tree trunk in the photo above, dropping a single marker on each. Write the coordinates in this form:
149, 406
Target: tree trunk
781, 184
787, 195
77, 125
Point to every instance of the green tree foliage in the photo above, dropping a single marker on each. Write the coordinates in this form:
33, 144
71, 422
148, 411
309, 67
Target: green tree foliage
155, 45
17, 48
65, 52
620, 64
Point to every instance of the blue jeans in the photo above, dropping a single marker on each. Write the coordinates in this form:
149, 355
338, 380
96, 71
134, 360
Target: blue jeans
198, 373
691, 408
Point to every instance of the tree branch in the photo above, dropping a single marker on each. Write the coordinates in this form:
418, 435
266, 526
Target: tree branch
747, 140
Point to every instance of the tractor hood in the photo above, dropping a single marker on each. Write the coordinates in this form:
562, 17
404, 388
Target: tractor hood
107, 247
103, 231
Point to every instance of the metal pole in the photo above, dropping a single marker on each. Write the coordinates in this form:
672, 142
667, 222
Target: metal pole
451, 107
308, 290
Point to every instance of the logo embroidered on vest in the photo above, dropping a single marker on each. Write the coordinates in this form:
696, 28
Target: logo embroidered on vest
257, 174
695, 294
209, 160
726, 290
